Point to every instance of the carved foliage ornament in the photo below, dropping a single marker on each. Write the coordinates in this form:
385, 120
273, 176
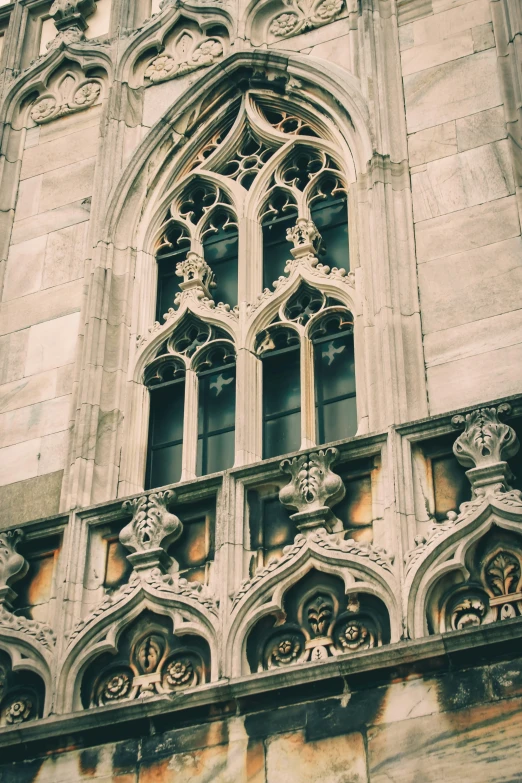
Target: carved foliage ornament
151, 530
189, 53
303, 15
323, 624
13, 565
70, 98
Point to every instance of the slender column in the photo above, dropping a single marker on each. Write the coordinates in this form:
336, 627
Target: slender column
308, 434
248, 408
190, 427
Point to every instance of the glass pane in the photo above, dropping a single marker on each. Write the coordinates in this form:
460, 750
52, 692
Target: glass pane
334, 368
166, 413
168, 287
331, 218
276, 249
281, 382
217, 401
282, 435
220, 251
339, 420
219, 452
165, 466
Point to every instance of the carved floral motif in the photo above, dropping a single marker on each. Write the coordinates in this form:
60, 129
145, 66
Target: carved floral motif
38, 631
152, 525
50, 107
13, 565
304, 15
187, 57
486, 440
19, 711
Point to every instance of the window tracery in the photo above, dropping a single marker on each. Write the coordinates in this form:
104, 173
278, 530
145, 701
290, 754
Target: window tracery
273, 170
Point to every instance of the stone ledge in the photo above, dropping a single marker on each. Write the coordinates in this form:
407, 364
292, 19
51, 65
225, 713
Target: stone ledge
270, 690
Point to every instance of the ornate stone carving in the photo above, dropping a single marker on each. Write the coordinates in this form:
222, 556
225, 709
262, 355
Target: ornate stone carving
484, 446
13, 566
336, 542
19, 711
303, 15
304, 237
72, 98
40, 632
319, 624
175, 586
196, 274
188, 55
313, 489
289, 552
151, 661
151, 529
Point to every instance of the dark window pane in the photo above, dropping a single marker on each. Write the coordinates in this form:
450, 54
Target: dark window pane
276, 249
282, 435
281, 382
166, 434
166, 408
334, 368
219, 452
339, 420
168, 281
220, 251
217, 401
165, 465
331, 218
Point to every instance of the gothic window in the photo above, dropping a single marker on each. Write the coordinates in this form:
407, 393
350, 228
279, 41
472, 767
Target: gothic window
260, 206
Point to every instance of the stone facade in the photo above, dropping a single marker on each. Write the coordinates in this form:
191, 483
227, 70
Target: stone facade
350, 611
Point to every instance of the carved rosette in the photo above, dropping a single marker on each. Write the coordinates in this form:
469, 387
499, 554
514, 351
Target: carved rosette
49, 106
151, 530
484, 446
313, 489
187, 57
304, 15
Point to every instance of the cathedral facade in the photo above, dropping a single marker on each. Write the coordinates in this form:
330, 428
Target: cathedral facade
260, 391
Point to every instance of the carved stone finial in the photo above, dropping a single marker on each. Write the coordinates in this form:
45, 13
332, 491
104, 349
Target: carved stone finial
196, 273
305, 237
69, 13
13, 566
151, 530
313, 490
484, 446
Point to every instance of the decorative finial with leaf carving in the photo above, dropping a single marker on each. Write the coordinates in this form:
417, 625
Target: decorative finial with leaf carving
151, 530
313, 489
13, 565
484, 446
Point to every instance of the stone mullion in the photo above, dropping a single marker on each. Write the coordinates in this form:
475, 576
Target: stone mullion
249, 445
190, 427
308, 427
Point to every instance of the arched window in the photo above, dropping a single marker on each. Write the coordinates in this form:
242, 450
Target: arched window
260, 207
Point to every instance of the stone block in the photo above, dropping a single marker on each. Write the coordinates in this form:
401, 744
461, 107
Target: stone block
483, 37
451, 22
484, 377
419, 58
488, 334
463, 180
432, 143
53, 452
480, 744
339, 759
32, 499
469, 286
32, 137
67, 184
452, 90
159, 97
19, 462
481, 128
34, 421
41, 306
24, 268
28, 199
55, 154
27, 391
13, 349
71, 123
338, 53
65, 255
467, 229
52, 220
199, 766
52, 344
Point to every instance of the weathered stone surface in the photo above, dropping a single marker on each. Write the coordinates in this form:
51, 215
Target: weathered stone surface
32, 499
432, 143
467, 229
55, 154
13, 348
41, 306
334, 760
418, 58
52, 344
27, 391
464, 180
51, 220
34, 421
24, 268
452, 90
449, 746
65, 255
481, 128
454, 290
